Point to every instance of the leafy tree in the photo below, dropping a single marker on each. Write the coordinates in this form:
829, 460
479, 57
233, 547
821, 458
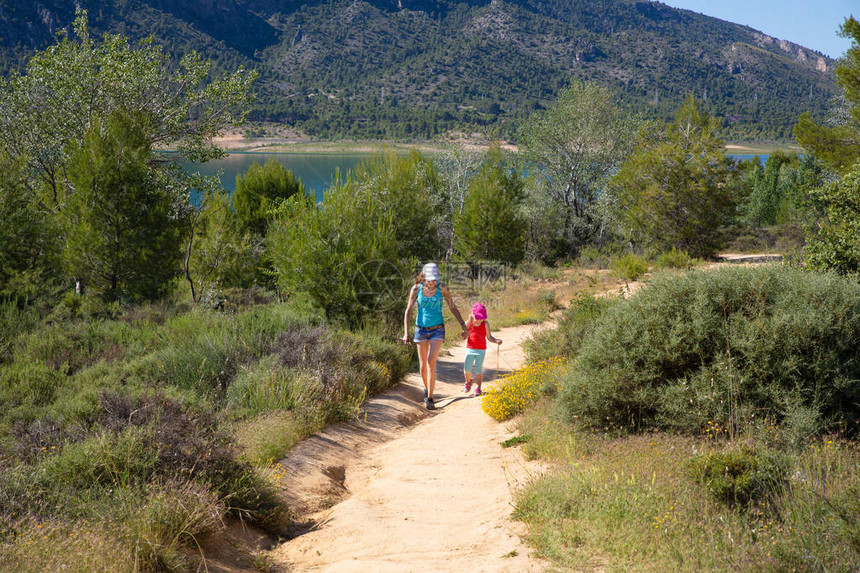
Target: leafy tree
91, 103
218, 253
673, 190
69, 86
491, 226
833, 239
763, 203
408, 191
780, 189
259, 190
838, 145
575, 145
121, 225
29, 240
456, 166
342, 252
832, 236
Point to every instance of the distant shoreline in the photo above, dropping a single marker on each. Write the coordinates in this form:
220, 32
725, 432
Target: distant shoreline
234, 143
747, 148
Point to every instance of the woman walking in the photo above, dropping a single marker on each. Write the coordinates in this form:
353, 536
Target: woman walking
427, 293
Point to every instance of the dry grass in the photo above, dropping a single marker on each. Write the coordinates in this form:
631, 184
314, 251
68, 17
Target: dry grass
270, 436
633, 501
526, 298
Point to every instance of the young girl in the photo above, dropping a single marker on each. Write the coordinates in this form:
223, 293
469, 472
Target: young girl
476, 347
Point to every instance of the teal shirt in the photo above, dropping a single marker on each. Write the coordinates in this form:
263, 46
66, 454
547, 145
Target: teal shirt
429, 308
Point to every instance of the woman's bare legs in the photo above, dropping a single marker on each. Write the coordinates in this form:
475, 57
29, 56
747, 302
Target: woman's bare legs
428, 352
433, 354
423, 351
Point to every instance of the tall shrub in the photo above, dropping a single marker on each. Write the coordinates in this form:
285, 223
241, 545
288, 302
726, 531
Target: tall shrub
408, 191
575, 145
259, 190
838, 145
833, 240
491, 225
121, 225
724, 347
343, 252
29, 238
673, 190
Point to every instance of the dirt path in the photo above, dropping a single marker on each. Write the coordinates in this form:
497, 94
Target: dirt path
406, 490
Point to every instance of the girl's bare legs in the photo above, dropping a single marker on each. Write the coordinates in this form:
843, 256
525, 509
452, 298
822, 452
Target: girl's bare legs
430, 381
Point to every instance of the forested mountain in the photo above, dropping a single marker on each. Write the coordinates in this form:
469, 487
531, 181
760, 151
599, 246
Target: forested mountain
418, 68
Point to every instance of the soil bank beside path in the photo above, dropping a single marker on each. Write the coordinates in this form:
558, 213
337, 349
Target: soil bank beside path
407, 490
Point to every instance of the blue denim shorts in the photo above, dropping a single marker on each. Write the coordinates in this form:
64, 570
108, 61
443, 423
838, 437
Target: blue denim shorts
425, 334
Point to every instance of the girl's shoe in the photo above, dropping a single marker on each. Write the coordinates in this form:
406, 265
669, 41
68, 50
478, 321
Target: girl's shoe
478, 391
467, 387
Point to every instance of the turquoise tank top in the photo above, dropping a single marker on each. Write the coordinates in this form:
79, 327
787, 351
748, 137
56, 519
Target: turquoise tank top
429, 308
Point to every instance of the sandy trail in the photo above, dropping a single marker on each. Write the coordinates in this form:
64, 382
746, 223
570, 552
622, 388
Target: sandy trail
408, 490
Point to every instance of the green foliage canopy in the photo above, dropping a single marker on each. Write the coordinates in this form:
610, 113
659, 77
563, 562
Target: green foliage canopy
833, 240
409, 191
724, 347
69, 86
217, 251
259, 190
342, 252
29, 241
575, 145
674, 191
838, 145
491, 226
121, 225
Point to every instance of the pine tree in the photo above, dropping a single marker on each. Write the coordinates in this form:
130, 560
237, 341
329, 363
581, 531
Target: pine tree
121, 225
491, 226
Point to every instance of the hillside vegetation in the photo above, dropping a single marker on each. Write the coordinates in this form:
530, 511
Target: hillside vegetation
415, 70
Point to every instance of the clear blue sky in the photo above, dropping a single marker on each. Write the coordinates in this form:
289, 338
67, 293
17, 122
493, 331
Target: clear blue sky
810, 23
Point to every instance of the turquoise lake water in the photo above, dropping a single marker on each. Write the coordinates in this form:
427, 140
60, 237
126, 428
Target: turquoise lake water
316, 170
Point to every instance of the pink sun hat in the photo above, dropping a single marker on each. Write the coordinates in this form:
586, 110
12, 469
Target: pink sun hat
479, 311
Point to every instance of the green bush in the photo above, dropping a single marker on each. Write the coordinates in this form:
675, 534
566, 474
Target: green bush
267, 386
573, 328
724, 346
106, 460
490, 225
538, 271
674, 259
592, 257
74, 345
132, 421
260, 189
740, 476
351, 275
832, 242
629, 267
